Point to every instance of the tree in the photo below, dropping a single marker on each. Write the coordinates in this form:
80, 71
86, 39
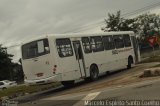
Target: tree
144, 25
149, 24
113, 22
117, 23
5, 64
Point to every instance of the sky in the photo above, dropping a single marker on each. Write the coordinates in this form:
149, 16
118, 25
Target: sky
21, 20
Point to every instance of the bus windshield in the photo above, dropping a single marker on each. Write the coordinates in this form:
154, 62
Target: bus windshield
35, 49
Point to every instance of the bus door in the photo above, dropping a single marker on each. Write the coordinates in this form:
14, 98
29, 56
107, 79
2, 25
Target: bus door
79, 57
136, 48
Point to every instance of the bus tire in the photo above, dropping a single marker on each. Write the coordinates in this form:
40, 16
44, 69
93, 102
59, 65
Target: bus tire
94, 72
4, 88
67, 83
130, 62
87, 79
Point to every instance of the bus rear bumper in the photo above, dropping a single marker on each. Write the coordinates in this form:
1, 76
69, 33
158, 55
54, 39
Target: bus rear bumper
51, 79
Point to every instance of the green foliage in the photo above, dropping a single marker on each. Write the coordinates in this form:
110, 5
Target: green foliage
113, 22
151, 59
5, 64
144, 25
149, 24
22, 89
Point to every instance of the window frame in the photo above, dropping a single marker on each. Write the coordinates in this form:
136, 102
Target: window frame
117, 43
45, 44
60, 48
106, 43
125, 43
85, 45
95, 43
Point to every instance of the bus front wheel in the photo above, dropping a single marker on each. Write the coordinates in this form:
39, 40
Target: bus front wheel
94, 72
67, 83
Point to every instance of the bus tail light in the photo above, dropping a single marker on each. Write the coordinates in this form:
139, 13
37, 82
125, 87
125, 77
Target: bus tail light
54, 69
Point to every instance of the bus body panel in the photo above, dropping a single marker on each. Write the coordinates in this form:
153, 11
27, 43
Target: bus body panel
40, 68
106, 61
70, 68
34, 71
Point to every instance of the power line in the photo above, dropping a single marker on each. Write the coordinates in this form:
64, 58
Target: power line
99, 23
142, 9
86, 27
123, 15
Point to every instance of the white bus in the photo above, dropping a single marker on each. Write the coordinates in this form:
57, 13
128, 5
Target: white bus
68, 57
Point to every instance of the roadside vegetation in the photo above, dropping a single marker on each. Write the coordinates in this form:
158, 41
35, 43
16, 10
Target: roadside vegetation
151, 59
24, 89
158, 65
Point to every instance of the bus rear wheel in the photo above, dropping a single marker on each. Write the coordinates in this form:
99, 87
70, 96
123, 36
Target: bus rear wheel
94, 72
130, 62
4, 88
67, 83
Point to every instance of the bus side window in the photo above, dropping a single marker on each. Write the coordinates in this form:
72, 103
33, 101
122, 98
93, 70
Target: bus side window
43, 46
86, 45
97, 44
46, 46
108, 42
127, 40
64, 47
118, 39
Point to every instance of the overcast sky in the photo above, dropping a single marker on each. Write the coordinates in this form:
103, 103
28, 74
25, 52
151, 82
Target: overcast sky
21, 20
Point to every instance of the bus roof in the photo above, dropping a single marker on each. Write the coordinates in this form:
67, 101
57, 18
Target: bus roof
89, 34
71, 35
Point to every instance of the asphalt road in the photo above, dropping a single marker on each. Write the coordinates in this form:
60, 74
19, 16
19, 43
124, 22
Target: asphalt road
143, 91
76, 96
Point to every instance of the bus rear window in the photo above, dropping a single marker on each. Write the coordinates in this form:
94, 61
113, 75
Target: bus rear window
35, 49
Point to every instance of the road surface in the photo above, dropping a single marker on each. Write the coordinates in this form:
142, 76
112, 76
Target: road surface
147, 90
108, 87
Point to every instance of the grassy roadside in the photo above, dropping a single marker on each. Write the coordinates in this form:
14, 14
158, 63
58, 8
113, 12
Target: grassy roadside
158, 65
24, 89
151, 59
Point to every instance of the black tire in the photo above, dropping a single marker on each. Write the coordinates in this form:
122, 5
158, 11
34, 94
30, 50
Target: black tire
4, 88
94, 72
88, 79
67, 83
130, 61
108, 73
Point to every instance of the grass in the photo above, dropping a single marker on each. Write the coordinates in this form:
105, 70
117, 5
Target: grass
158, 65
23, 89
151, 59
